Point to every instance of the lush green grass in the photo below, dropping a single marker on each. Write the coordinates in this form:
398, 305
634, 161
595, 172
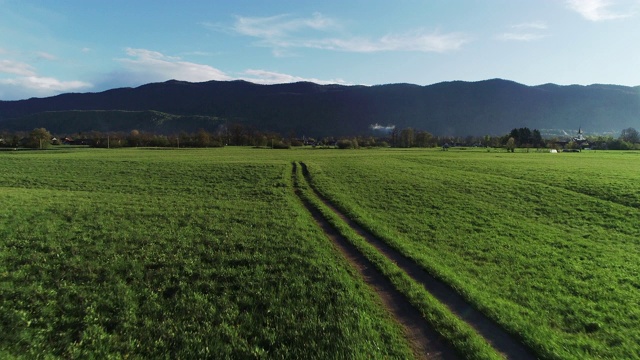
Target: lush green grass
464, 339
546, 244
196, 253
173, 254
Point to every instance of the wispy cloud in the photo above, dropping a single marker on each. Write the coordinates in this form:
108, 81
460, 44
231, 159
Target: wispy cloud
283, 32
420, 41
45, 56
150, 66
270, 77
520, 37
16, 68
19, 80
599, 10
199, 53
531, 25
18, 77
45, 85
529, 31
155, 66
280, 26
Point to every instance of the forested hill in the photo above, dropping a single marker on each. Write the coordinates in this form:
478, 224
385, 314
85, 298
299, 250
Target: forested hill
449, 108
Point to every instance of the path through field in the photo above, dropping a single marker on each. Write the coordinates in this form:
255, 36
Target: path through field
425, 341
502, 341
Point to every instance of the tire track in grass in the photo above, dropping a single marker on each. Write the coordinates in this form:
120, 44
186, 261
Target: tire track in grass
501, 340
425, 341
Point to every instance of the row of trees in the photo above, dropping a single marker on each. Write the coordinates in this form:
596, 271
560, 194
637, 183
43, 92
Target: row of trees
240, 135
38, 138
517, 138
629, 139
41, 138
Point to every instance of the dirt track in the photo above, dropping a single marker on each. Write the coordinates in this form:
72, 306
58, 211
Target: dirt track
425, 342
502, 341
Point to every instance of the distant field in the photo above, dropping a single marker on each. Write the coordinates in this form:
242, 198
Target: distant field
208, 252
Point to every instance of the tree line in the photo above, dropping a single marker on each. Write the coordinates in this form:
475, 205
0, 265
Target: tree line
242, 135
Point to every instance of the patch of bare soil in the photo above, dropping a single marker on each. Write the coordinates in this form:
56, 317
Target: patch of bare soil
502, 341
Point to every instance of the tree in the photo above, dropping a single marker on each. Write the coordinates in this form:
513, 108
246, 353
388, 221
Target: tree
5, 138
395, 134
261, 141
39, 138
134, 138
630, 135
407, 138
487, 140
619, 144
537, 138
511, 144
423, 138
344, 144
203, 138
237, 134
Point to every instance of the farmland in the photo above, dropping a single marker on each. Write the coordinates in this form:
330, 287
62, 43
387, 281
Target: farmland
209, 253
184, 254
547, 246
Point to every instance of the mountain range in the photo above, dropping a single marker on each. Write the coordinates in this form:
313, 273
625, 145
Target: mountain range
457, 108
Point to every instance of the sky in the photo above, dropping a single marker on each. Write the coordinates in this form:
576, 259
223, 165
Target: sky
50, 47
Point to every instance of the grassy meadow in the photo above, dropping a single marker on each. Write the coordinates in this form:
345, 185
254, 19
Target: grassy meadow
173, 254
209, 253
546, 244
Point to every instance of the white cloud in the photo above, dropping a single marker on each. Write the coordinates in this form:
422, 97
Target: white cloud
283, 32
19, 79
280, 52
199, 53
414, 41
45, 84
16, 68
421, 41
270, 77
598, 10
145, 66
277, 27
529, 31
156, 67
521, 36
22, 87
45, 56
531, 25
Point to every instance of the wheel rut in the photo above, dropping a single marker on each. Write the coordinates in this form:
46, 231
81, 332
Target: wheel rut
500, 339
425, 342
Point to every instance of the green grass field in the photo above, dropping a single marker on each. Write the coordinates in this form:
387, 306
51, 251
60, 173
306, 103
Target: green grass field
208, 252
173, 254
546, 244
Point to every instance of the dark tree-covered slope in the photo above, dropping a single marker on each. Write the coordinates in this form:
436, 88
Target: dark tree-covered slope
450, 108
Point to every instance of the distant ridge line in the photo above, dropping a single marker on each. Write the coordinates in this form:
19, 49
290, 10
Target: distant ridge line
454, 108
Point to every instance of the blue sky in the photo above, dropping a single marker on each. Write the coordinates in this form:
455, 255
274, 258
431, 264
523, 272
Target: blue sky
54, 46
